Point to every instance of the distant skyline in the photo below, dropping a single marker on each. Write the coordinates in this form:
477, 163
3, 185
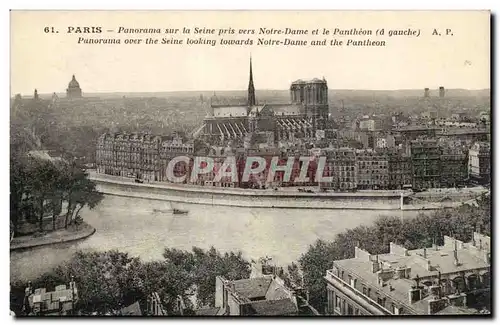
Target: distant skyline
434, 93
48, 61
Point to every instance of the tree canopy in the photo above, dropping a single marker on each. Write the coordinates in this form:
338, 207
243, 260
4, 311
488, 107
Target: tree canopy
412, 233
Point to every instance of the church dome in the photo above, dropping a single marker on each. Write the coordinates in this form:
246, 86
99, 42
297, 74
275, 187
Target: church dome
73, 83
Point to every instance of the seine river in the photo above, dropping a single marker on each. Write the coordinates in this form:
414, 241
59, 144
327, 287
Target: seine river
144, 228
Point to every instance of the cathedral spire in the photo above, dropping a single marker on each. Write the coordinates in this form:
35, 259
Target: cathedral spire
251, 88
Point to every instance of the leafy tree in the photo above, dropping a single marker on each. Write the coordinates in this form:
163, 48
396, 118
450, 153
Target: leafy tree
80, 192
205, 266
314, 264
18, 180
421, 231
103, 278
43, 177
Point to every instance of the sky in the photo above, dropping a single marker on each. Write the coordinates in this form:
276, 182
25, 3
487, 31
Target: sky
47, 61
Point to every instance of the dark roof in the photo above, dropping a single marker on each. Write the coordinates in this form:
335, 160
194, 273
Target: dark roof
453, 310
252, 288
73, 83
308, 81
270, 308
132, 310
207, 311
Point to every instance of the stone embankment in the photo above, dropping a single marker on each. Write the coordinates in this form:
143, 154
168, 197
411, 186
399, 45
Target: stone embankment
282, 198
54, 237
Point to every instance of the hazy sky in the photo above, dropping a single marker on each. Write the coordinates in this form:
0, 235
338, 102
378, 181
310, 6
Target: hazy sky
47, 61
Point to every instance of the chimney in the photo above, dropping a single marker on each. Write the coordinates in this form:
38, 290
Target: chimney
425, 252
434, 244
414, 295
458, 300
397, 249
455, 256
441, 92
435, 291
435, 305
426, 92
400, 272
375, 265
361, 253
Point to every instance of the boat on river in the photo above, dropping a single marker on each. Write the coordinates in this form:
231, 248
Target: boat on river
178, 211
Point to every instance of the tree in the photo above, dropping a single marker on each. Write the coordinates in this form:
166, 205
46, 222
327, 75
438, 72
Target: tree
80, 192
414, 233
18, 183
43, 179
103, 279
205, 266
314, 264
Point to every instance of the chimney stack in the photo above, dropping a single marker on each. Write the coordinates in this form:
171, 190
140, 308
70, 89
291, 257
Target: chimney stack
455, 255
414, 294
441, 92
375, 265
426, 92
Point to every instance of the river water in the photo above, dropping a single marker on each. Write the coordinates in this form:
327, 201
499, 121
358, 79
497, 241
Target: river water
145, 227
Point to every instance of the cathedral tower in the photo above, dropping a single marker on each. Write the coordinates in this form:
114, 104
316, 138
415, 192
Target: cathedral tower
251, 88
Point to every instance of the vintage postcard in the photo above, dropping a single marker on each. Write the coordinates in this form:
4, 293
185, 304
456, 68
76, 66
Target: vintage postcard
250, 163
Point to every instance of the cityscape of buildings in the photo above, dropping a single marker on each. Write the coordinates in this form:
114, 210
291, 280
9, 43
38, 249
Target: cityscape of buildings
373, 153
446, 279
369, 153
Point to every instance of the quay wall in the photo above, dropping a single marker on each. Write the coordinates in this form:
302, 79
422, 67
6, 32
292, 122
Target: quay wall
249, 198
361, 200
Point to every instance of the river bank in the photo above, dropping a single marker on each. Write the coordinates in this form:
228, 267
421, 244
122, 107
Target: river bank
54, 237
283, 198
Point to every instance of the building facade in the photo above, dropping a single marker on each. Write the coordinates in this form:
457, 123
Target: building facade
426, 164
342, 168
479, 163
140, 156
400, 170
372, 169
313, 96
453, 166
449, 279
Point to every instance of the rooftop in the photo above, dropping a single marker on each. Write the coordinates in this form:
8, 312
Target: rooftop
132, 310
396, 271
263, 295
270, 308
58, 301
308, 81
252, 288
207, 311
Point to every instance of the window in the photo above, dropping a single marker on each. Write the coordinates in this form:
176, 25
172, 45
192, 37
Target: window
364, 290
331, 301
337, 302
350, 310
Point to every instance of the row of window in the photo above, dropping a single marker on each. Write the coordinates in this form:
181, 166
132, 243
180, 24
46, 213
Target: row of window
367, 291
